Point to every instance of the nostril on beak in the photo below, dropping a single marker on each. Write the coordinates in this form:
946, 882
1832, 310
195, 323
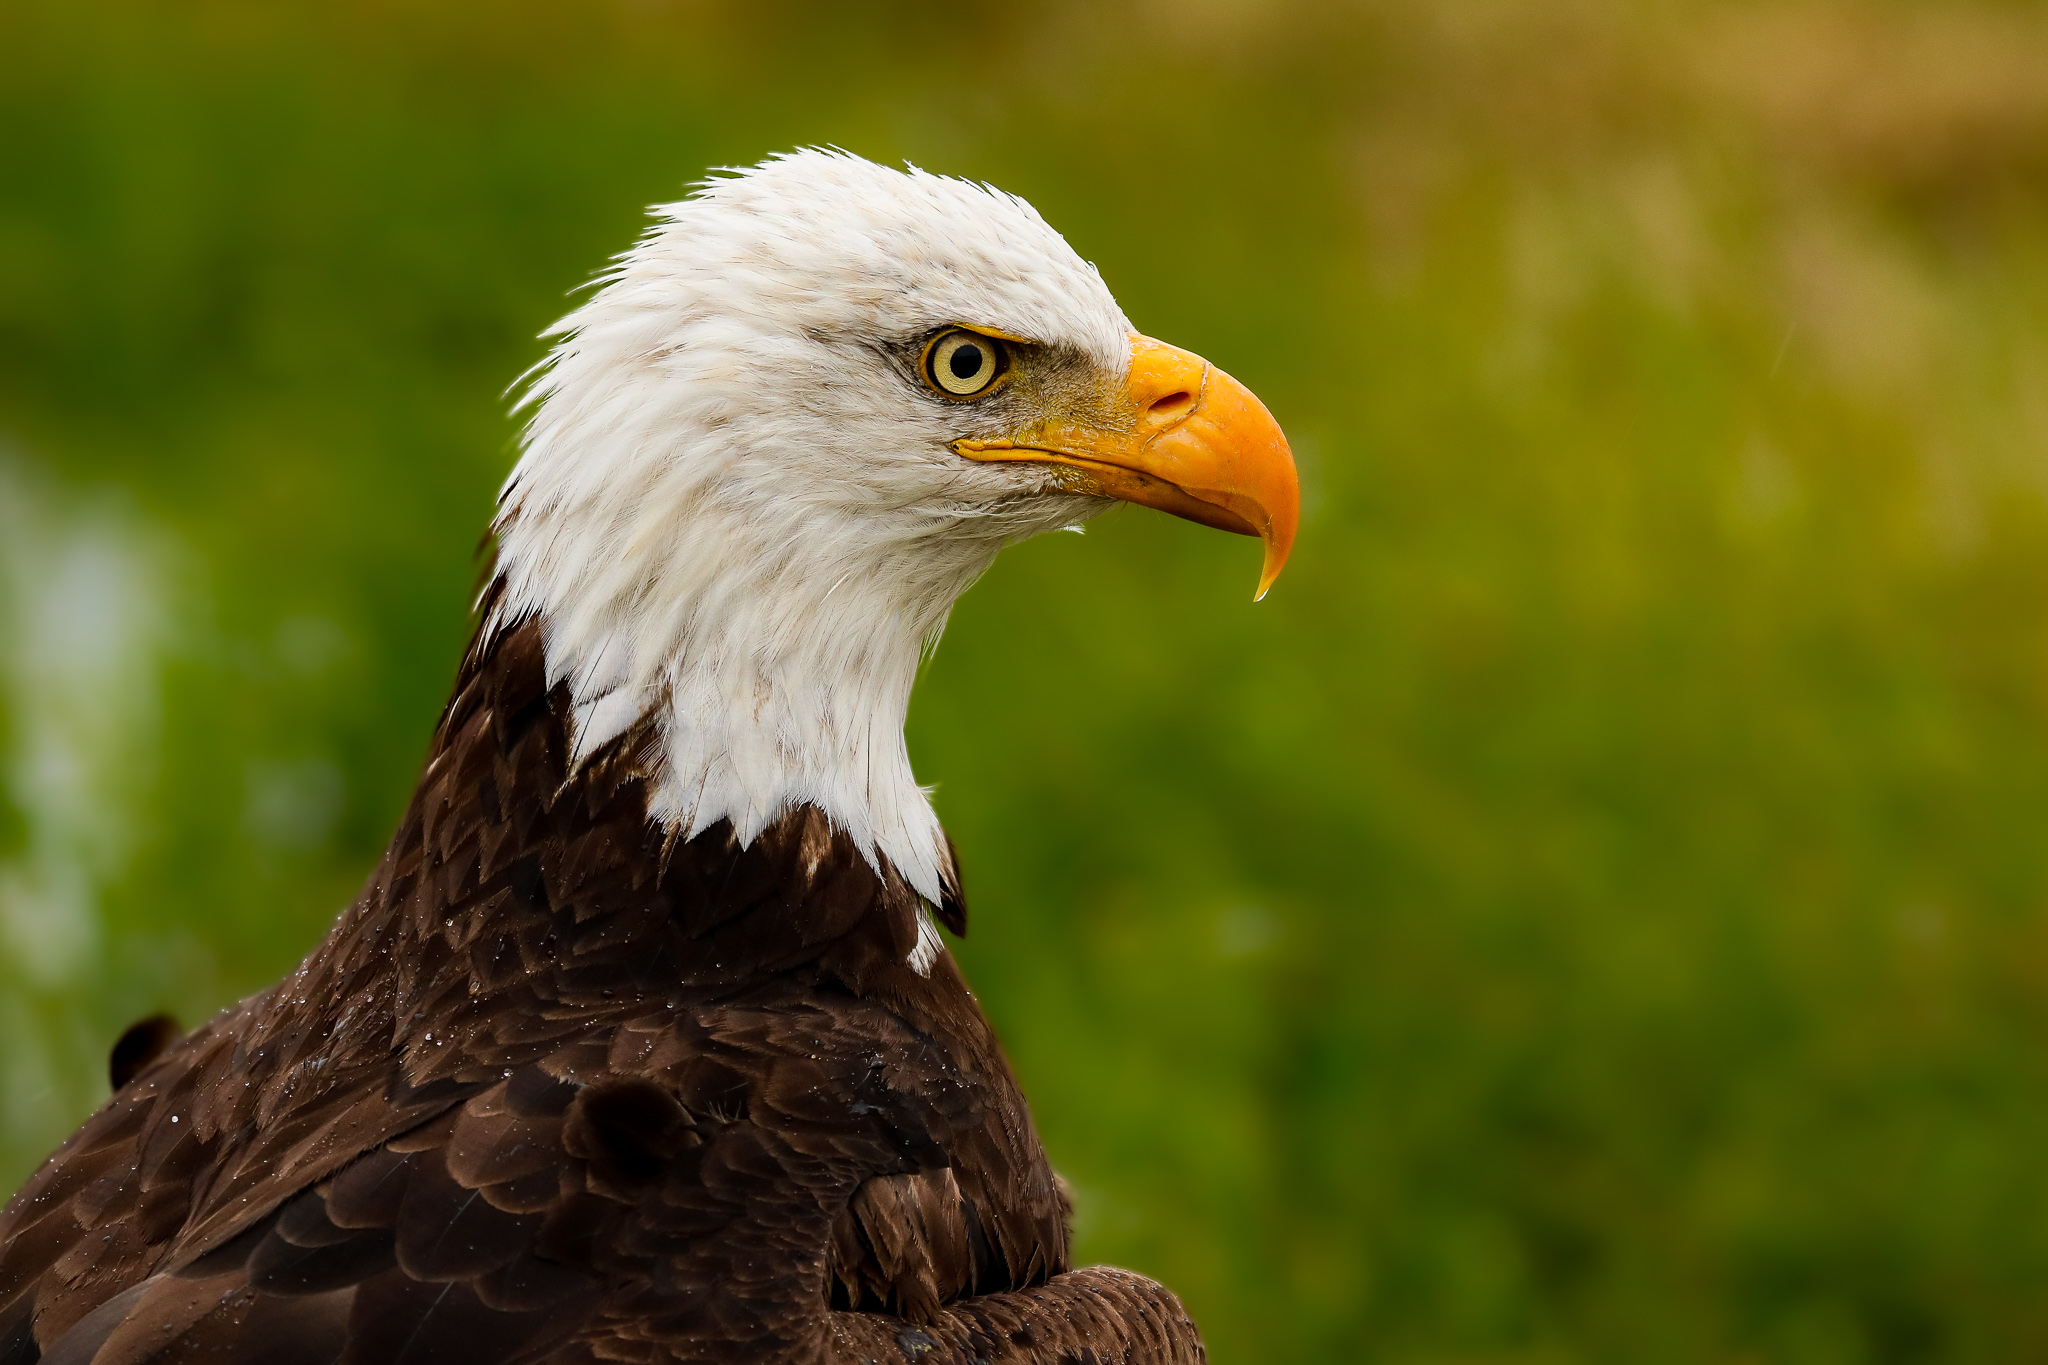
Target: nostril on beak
1174, 405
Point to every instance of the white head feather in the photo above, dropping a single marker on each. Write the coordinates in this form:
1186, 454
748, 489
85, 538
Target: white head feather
736, 511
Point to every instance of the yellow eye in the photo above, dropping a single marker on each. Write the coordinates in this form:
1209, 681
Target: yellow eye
963, 364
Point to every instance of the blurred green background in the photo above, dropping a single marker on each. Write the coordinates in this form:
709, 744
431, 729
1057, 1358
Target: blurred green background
1595, 910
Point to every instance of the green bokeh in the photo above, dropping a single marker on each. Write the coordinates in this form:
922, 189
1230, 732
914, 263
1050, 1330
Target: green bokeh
1597, 907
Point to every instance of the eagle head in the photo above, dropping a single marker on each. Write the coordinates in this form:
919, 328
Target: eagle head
788, 429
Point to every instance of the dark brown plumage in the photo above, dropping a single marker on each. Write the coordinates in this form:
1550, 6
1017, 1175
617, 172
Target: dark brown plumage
557, 1089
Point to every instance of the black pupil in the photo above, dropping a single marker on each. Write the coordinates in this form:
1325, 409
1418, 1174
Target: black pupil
966, 361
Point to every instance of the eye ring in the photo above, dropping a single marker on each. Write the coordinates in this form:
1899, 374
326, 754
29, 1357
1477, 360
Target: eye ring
963, 364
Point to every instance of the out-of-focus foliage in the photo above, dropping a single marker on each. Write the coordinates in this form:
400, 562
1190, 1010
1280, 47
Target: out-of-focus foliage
1596, 909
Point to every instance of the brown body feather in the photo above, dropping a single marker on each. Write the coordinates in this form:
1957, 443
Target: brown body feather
559, 1089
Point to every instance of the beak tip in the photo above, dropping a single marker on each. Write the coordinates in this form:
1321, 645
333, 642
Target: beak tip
1279, 543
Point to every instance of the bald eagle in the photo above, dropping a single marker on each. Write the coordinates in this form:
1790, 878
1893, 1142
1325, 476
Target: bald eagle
640, 1044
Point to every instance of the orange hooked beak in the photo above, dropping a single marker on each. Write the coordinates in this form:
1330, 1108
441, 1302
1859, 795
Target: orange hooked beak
1192, 441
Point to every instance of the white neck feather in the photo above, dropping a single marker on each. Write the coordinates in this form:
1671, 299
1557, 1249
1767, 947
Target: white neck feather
776, 676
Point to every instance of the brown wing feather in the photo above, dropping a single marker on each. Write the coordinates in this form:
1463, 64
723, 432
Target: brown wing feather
143, 1043
559, 1088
